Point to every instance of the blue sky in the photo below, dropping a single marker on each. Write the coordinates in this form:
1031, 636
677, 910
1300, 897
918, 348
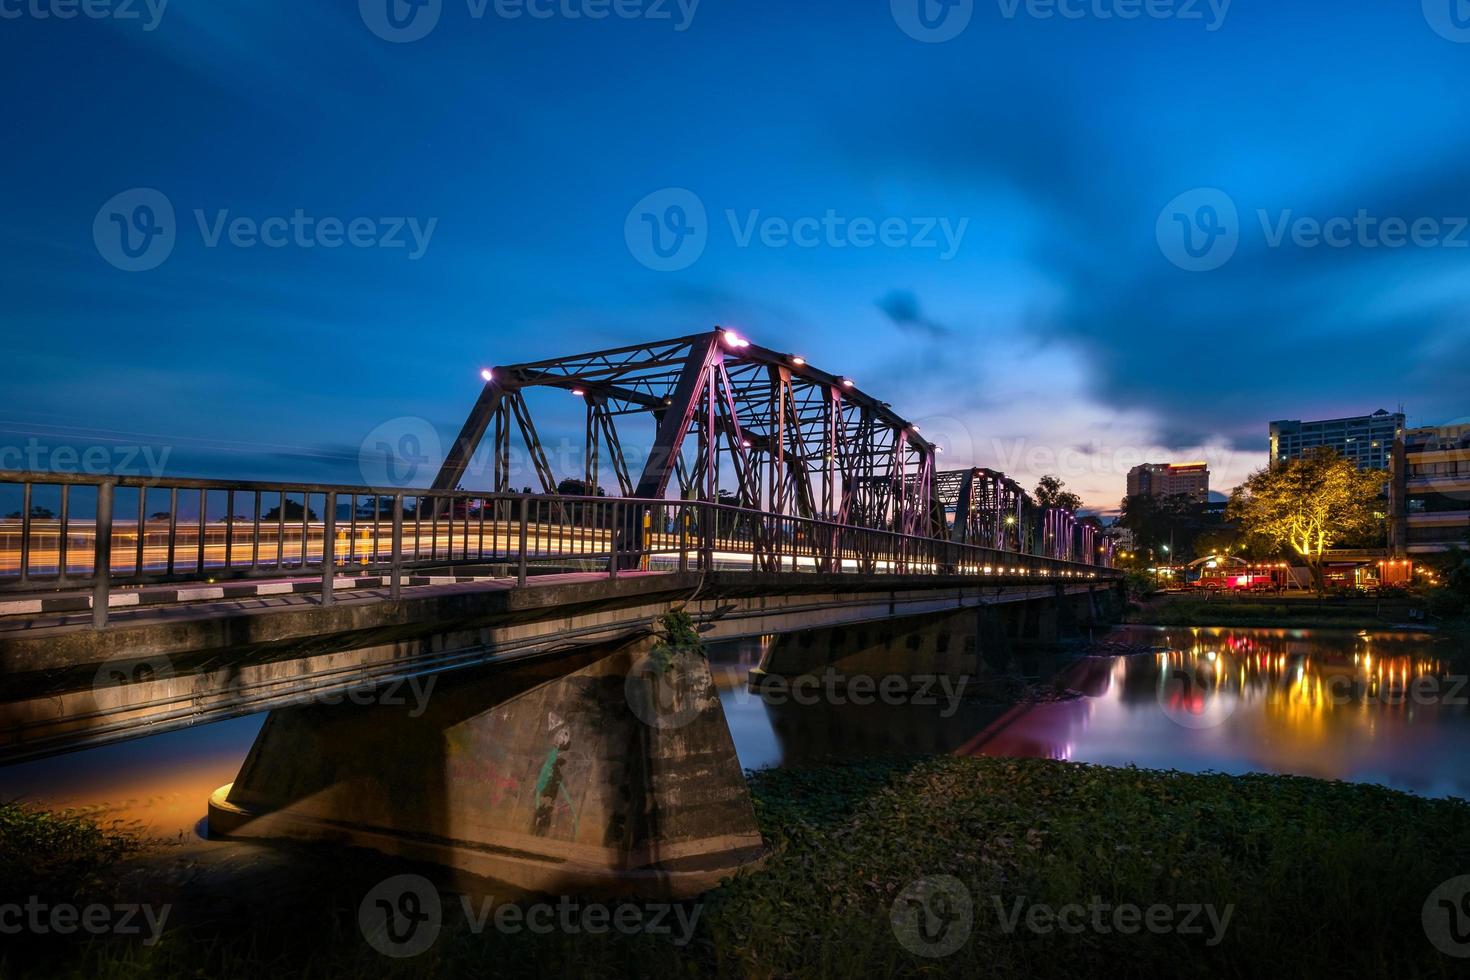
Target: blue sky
1059, 335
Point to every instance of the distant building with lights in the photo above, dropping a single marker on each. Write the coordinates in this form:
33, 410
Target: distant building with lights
1168, 479
1429, 490
1367, 440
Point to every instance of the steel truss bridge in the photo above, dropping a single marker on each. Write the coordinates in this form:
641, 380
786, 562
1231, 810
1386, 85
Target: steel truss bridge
757, 459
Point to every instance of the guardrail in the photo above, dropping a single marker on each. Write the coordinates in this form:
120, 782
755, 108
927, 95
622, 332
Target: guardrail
109, 532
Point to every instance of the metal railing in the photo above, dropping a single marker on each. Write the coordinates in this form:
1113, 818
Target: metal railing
106, 533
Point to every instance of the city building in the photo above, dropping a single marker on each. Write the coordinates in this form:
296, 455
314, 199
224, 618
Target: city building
1365, 439
1429, 490
1168, 479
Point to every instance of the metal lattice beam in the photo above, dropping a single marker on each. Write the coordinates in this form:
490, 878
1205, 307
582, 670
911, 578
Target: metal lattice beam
726, 419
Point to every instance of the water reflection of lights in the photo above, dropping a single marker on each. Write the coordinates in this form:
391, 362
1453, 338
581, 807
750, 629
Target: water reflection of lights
1299, 685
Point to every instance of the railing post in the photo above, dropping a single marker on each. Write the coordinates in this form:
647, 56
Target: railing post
329, 547
683, 537
525, 520
102, 556
395, 587
612, 541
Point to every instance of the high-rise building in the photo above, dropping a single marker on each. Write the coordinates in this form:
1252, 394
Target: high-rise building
1168, 479
1365, 439
1429, 492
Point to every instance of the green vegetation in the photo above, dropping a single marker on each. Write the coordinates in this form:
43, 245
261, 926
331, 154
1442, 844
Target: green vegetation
1325, 879
58, 856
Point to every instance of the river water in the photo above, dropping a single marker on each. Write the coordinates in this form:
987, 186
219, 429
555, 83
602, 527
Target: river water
1384, 708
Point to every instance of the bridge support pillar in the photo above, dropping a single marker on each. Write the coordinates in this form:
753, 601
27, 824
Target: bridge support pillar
605, 771
966, 646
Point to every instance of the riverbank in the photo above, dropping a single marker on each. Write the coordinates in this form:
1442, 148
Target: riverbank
1277, 875
1298, 612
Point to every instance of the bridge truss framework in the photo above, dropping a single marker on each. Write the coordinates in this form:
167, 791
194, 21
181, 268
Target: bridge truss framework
732, 421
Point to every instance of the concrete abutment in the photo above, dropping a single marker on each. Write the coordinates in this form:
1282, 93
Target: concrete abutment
605, 771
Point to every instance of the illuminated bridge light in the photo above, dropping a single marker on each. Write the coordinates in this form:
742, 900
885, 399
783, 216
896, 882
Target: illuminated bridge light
487, 375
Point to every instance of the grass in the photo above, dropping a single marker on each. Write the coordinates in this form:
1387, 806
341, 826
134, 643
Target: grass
1326, 879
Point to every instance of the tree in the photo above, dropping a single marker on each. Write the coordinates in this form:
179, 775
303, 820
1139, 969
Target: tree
1178, 523
294, 510
1050, 493
1308, 504
578, 488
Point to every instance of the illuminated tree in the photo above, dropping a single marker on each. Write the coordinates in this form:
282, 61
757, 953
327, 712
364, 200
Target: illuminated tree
1050, 493
1308, 505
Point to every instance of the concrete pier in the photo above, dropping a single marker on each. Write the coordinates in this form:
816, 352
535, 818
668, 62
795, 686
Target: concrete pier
602, 771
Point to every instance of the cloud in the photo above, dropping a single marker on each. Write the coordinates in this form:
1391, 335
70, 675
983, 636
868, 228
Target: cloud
902, 307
